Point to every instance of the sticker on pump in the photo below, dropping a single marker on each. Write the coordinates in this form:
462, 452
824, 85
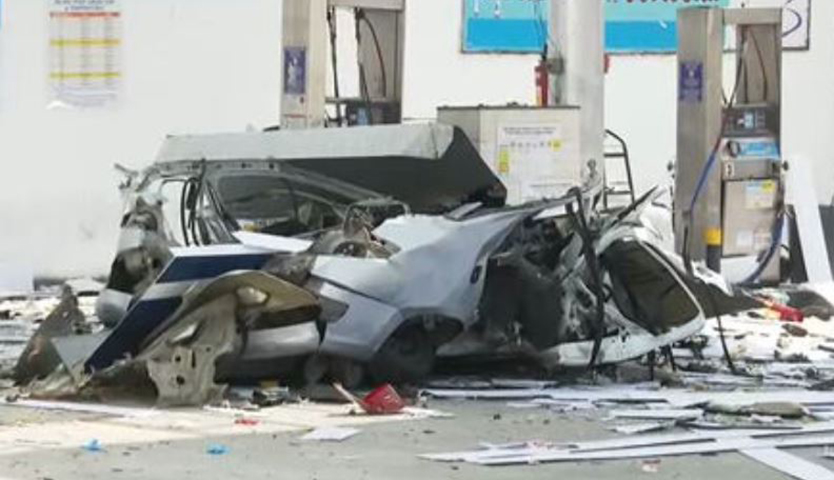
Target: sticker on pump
764, 148
759, 195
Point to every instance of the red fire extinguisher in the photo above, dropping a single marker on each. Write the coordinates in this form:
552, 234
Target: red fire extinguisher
542, 74
542, 82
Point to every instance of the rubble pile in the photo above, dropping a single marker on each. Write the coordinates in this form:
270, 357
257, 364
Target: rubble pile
20, 318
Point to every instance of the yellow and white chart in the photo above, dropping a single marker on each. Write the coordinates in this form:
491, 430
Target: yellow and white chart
85, 52
534, 160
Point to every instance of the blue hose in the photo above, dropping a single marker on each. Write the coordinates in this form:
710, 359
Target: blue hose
702, 180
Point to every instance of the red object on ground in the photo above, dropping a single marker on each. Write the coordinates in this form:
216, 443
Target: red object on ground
246, 421
542, 83
787, 314
382, 401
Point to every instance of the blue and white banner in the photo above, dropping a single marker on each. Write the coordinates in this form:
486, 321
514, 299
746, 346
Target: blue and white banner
512, 26
645, 26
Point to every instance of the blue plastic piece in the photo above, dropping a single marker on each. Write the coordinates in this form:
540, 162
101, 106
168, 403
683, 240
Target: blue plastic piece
217, 449
93, 446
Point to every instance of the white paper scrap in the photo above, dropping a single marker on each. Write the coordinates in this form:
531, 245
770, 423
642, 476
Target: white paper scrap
330, 434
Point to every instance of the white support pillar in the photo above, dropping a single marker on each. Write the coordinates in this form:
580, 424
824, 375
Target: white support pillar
578, 29
304, 63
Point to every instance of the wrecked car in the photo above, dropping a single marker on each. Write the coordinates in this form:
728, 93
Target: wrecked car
345, 252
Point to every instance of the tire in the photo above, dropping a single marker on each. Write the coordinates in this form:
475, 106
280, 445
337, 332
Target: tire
406, 357
347, 372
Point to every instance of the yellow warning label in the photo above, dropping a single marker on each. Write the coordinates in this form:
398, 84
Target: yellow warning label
85, 42
713, 237
83, 75
503, 161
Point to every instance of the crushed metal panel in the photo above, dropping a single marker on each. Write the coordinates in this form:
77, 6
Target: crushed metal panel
659, 451
633, 340
365, 325
180, 356
181, 363
639, 444
410, 279
409, 284
788, 464
74, 350
641, 316
276, 295
683, 438
659, 414
629, 394
187, 267
648, 427
39, 359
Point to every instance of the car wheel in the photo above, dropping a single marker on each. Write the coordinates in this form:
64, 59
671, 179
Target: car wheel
407, 356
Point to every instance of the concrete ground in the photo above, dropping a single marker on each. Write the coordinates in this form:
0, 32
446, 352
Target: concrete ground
385, 450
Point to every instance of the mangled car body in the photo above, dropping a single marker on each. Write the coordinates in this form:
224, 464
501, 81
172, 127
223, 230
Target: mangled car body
371, 250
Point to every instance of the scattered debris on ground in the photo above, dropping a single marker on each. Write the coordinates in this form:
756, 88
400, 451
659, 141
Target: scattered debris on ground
697, 369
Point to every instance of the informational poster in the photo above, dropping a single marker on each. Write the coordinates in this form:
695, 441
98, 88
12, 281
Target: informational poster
533, 159
85, 42
645, 26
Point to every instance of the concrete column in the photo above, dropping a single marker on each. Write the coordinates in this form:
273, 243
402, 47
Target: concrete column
578, 29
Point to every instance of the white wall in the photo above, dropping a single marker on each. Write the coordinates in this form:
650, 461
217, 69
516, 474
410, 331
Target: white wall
437, 73
213, 65
190, 66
